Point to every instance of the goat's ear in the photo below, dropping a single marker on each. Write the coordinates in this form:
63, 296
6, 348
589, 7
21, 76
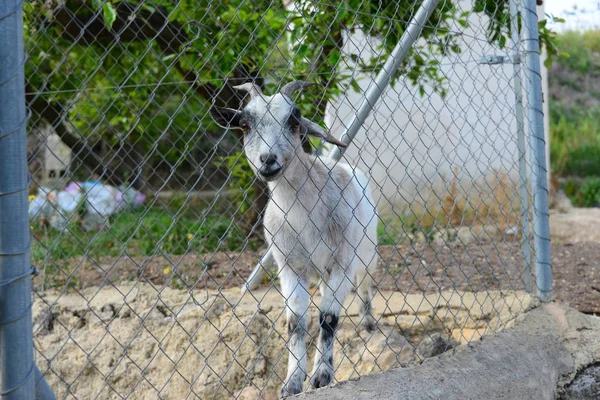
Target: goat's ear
310, 128
226, 117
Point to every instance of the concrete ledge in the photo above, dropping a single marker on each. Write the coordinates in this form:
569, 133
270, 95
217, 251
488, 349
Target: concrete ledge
534, 360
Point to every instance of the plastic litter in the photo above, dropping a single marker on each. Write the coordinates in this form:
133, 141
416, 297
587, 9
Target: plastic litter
94, 201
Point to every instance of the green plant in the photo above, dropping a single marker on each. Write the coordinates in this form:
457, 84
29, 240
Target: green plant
583, 192
242, 178
583, 49
142, 232
451, 235
499, 27
150, 85
428, 231
574, 109
574, 142
390, 231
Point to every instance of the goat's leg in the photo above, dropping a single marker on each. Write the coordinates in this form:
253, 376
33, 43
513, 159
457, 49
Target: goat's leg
364, 280
334, 290
294, 289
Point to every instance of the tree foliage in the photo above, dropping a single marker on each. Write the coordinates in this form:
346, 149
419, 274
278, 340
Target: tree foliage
138, 75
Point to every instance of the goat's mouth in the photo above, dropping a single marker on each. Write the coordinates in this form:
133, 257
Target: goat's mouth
270, 174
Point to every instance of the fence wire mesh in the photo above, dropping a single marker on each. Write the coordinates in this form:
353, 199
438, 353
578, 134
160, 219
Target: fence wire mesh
148, 217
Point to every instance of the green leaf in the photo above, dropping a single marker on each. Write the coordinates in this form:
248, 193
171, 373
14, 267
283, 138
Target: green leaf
148, 8
502, 42
355, 85
110, 15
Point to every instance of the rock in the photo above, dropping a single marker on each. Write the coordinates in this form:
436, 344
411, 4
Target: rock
467, 335
222, 342
585, 386
43, 322
434, 345
561, 202
252, 393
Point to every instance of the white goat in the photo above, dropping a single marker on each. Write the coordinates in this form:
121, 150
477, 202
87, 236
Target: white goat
320, 222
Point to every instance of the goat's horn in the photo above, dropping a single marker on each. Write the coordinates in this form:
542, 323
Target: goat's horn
317, 130
251, 88
289, 88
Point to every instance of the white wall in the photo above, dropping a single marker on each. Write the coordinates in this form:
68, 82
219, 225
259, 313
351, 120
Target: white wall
57, 155
409, 140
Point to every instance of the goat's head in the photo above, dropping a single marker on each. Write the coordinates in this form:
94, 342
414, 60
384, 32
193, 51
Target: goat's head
272, 127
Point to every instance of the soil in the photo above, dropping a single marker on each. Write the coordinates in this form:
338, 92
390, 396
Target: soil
576, 258
177, 327
137, 341
473, 266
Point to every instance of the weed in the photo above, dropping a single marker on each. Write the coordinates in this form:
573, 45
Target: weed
142, 232
390, 231
574, 109
583, 192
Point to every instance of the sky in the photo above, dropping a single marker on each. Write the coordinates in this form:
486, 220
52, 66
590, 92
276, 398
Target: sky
586, 15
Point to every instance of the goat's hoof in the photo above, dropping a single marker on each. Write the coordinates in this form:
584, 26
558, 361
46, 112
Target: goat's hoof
369, 325
291, 387
321, 378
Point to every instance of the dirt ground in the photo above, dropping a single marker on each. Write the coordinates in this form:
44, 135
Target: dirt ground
176, 327
417, 268
467, 265
138, 341
576, 258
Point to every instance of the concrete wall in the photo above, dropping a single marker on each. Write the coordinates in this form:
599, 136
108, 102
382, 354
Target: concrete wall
57, 157
409, 141
547, 355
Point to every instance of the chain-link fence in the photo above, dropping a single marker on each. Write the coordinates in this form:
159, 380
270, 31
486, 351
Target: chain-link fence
170, 152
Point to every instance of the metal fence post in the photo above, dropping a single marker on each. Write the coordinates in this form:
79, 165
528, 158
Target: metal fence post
535, 117
18, 371
523, 178
374, 92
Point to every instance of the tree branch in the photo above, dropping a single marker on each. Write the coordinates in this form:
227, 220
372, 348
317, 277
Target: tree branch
87, 28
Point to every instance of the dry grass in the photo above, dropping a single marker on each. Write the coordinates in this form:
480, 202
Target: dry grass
490, 201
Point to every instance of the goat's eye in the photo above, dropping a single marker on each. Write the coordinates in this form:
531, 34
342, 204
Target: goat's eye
244, 126
294, 121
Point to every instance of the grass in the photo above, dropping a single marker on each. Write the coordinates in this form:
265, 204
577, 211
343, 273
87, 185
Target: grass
575, 142
142, 232
583, 192
575, 118
575, 106
151, 231
583, 49
491, 201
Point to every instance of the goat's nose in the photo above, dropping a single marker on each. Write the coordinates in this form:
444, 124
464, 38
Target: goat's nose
268, 159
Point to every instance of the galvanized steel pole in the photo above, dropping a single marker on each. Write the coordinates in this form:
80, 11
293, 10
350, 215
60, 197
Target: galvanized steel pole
522, 153
374, 92
537, 143
18, 372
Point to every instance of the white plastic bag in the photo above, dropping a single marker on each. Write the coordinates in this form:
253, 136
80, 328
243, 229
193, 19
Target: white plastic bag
65, 204
102, 201
40, 206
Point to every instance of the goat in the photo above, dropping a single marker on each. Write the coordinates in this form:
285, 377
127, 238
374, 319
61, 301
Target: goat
320, 221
